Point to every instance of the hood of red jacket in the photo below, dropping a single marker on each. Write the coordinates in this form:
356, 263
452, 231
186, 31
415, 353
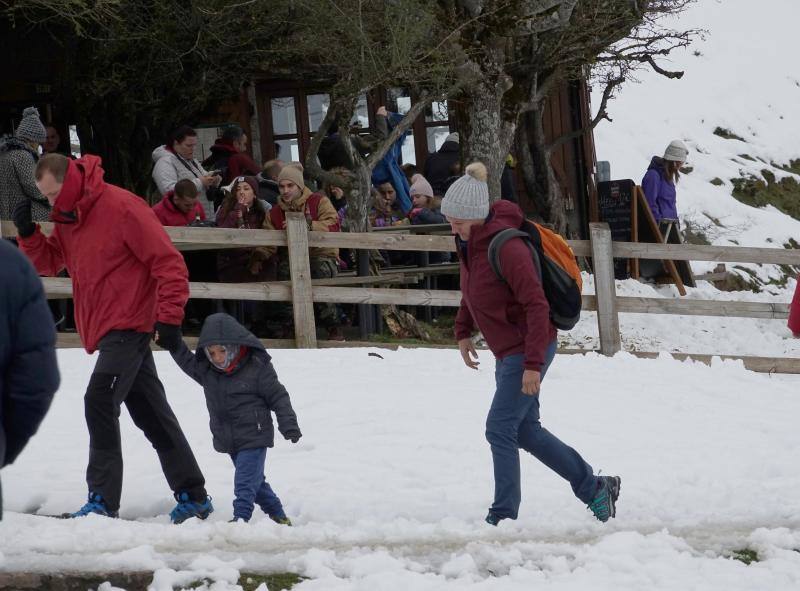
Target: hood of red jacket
224, 146
502, 215
83, 184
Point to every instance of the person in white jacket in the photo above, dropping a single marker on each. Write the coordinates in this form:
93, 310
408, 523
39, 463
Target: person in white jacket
175, 161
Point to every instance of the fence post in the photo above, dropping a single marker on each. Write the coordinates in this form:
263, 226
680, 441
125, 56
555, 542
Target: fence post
603, 264
305, 330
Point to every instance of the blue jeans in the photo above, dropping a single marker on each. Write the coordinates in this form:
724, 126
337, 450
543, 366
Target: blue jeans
513, 424
250, 486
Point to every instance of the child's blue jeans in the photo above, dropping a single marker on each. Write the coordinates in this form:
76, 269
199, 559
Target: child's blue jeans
250, 486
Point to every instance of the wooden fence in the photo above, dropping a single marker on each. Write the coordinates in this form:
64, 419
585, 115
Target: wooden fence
302, 291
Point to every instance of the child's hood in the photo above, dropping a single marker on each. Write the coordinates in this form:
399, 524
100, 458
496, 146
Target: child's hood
222, 329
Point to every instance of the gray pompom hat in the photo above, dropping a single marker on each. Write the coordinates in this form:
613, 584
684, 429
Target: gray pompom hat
31, 128
468, 197
676, 151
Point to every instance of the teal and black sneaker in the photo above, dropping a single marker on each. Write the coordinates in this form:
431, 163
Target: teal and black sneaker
280, 518
493, 518
604, 504
187, 508
96, 504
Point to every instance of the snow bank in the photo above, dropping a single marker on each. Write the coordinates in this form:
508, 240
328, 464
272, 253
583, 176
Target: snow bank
390, 483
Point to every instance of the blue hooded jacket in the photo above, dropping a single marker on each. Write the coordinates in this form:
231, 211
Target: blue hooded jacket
388, 169
659, 191
28, 370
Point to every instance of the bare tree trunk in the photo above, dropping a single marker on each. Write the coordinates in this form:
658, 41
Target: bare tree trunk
525, 165
548, 189
486, 131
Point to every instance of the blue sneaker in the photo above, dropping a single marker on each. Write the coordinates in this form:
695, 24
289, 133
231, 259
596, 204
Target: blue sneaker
604, 504
95, 504
187, 508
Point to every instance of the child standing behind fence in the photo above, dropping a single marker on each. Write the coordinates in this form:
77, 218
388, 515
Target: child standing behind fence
242, 390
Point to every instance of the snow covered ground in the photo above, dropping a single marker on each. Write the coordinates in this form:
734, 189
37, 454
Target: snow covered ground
390, 483
744, 78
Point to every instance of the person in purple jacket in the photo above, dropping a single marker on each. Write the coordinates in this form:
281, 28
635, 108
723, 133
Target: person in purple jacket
659, 181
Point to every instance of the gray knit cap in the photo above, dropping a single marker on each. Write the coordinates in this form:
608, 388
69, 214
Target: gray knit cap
31, 128
676, 151
468, 197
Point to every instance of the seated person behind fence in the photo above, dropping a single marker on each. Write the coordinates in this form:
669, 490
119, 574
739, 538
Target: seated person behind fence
241, 209
242, 391
384, 210
320, 216
180, 207
659, 181
268, 181
426, 207
175, 161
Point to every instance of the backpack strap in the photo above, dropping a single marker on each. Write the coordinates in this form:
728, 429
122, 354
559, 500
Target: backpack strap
497, 243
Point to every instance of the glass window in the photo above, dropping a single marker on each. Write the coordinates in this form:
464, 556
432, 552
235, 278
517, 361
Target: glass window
409, 156
283, 116
398, 100
437, 111
436, 137
361, 115
287, 150
317, 108
74, 141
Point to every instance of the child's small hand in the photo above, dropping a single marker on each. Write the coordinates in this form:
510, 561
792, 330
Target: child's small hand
293, 436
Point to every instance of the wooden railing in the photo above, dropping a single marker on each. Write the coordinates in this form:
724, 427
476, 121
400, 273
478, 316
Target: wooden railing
302, 291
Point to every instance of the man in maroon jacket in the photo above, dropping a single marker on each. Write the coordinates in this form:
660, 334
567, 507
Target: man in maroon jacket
514, 317
128, 280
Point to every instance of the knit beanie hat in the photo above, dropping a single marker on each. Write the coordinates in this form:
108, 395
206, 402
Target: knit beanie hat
420, 186
31, 128
676, 151
468, 197
293, 174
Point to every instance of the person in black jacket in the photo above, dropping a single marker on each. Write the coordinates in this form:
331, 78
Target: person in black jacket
242, 390
443, 164
28, 371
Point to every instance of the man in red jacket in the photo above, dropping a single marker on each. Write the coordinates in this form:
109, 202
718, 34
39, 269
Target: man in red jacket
514, 317
127, 279
180, 206
794, 312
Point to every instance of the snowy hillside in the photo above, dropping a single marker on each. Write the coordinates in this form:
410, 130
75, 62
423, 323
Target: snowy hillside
390, 483
744, 81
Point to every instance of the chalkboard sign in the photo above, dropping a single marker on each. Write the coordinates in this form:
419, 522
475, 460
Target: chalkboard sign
615, 202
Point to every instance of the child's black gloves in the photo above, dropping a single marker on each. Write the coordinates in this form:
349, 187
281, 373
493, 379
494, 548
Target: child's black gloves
168, 336
294, 435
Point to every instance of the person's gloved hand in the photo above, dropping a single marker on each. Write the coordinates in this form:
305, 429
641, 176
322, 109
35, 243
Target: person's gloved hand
294, 435
22, 218
168, 336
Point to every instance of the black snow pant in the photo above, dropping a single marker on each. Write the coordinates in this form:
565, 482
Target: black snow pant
125, 372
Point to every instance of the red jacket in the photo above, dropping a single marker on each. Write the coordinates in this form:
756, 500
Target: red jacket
794, 311
126, 274
513, 317
169, 215
238, 163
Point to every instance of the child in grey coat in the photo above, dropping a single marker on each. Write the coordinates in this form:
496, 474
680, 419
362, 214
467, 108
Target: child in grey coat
242, 390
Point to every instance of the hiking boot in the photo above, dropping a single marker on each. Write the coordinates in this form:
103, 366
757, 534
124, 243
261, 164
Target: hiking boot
187, 508
604, 504
280, 519
493, 518
96, 504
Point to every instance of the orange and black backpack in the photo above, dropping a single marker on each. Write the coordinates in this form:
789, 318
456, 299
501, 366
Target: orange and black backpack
558, 269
